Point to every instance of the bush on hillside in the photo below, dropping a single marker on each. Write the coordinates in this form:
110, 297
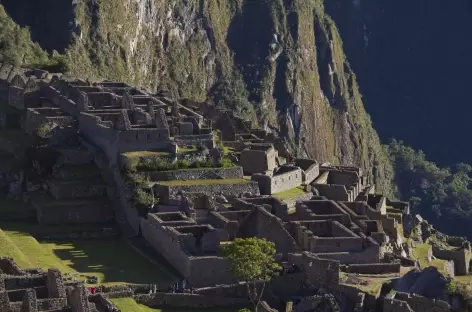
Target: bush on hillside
441, 195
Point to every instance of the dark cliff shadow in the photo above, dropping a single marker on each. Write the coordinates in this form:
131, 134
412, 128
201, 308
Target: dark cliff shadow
51, 22
249, 36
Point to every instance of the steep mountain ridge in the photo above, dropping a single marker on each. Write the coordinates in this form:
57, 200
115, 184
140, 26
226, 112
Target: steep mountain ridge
278, 61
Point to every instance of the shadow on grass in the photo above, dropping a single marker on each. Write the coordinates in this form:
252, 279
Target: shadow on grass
113, 260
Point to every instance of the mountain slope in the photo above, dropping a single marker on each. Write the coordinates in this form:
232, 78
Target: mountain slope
279, 60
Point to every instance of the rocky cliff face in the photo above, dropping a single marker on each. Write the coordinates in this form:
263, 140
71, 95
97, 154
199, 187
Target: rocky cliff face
283, 57
412, 59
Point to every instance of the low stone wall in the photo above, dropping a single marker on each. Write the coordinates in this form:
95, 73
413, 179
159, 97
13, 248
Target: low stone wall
368, 255
51, 304
161, 300
197, 140
9, 266
420, 303
302, 197
333, 191
211, 270
311, 169
374, 268
196, 174
236, 189
461, 258
278, 183
394, 305
73, 214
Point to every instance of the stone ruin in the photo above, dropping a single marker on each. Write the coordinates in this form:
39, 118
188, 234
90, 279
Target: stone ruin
36, 291
337, 226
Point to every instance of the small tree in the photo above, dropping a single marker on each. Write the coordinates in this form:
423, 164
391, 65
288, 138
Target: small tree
252, 260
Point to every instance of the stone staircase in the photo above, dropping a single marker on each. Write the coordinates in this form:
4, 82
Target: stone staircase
75, 193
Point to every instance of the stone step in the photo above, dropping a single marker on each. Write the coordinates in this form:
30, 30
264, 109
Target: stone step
76, 189
41, 198
77, 172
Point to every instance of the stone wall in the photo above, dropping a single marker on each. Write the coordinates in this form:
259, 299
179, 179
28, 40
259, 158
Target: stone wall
78, 299
374, 268
55, 284
395, 305
461, 258
196, 174
278, 207
210, 270
420, 303
206, 140
333, 191
263, 224
225, 189
319, 273
311, 169
167, 246
37, 117
73, 214
279, 182
8, 266
370, 254
258, 161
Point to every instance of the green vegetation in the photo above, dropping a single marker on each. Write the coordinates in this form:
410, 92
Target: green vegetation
162, 164
112, 261
129, 304
252, 260
420, 253
443, 196
291, 193
203, 182
16, 47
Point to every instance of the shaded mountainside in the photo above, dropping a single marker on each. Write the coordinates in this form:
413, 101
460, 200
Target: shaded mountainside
284, 57
413, 63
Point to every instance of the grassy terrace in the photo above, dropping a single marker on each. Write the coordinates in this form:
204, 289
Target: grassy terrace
203, 182
112, 261
420, 252
291, 193
129, 304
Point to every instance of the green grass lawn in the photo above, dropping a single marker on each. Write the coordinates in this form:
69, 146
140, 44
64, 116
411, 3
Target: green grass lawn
133, 158
129, 304
203, 182
290, 193
227, 150
112, 261
420, 252
186, 150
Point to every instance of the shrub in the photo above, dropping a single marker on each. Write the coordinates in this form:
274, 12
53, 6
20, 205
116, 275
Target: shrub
161, 164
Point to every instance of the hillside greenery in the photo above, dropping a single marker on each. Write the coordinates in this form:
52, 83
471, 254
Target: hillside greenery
16, 47
441, 195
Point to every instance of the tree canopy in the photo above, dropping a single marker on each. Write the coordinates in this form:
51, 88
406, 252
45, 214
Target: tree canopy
442, 195
252, 260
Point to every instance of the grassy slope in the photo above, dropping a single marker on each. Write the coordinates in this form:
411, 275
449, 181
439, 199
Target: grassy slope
129, 304
112, 261
290, 193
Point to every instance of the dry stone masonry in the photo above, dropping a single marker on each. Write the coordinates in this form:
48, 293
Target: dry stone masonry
328, 225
